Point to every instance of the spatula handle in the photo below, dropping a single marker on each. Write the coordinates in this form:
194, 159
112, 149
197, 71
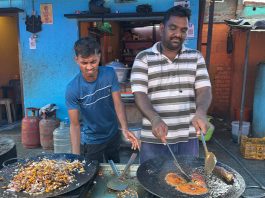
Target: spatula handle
176, 163
204, 143
114, 168
130, 162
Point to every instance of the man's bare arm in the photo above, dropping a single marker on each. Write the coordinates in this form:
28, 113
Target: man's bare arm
203, 101
74, 130
120, 111
143, 103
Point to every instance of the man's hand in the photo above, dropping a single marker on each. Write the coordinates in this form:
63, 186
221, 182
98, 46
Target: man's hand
131, 137
159, 128
200, 123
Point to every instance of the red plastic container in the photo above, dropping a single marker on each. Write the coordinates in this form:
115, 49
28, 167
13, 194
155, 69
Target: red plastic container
30, 134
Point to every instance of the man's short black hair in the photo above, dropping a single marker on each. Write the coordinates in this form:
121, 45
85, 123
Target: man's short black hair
86, 46
179, 11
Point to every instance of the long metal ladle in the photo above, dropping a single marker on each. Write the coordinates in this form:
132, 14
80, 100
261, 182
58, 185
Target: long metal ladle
210, 159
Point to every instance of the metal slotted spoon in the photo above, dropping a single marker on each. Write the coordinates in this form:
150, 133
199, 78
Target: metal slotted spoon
210, 159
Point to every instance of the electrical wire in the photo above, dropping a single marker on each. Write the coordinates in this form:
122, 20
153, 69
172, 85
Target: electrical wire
260, 186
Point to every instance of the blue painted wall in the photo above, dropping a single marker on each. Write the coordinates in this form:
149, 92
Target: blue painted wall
47, 69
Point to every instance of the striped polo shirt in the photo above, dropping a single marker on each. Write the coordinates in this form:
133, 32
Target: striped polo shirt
170, 86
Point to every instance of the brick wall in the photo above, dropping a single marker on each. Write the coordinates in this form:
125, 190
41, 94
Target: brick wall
256, 55
226, 70
222, 82
220, 69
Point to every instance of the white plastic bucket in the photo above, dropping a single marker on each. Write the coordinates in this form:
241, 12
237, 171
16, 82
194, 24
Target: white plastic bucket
235, 129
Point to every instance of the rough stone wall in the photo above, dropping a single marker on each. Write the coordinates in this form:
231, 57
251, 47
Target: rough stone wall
222, 10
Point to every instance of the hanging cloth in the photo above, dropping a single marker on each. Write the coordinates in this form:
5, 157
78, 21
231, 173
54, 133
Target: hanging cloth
33, 23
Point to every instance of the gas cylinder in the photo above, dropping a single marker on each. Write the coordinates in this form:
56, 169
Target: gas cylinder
30, 134
61, 138
47, 126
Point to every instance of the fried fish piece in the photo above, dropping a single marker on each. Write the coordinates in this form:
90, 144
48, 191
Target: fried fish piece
198, 179
173, 179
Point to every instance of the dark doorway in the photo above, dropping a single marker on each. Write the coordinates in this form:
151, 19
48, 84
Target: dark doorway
10, 86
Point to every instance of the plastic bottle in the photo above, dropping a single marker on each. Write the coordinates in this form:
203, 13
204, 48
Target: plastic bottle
61, 138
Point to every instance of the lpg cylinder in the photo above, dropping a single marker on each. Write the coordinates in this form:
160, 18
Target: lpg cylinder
61, 138
47, 126
30, 134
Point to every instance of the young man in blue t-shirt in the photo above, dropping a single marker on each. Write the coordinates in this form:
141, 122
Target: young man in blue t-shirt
95, 94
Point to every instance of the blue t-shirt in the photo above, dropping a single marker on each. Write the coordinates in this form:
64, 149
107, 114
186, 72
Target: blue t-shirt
94, 100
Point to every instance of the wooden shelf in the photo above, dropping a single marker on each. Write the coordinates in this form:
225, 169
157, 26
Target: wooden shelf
138, 45
129, 55
138, 41
10, 10
153, 16
98, 32
132, 24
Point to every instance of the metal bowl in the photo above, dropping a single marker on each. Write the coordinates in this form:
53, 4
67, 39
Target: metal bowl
122, 74
121, 70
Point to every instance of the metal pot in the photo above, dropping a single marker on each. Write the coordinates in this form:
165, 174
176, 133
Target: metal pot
120, 69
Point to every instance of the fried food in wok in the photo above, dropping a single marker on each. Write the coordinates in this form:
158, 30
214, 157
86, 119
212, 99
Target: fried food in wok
192, 189
198, 179
173, 179
197, 186
45, 176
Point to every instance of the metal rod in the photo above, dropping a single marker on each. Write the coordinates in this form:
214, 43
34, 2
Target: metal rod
209, 35
154, 33
244, 86
176, 162
204, 144
202, 4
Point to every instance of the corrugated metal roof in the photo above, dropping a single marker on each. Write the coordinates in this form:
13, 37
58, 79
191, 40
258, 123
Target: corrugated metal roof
253, 24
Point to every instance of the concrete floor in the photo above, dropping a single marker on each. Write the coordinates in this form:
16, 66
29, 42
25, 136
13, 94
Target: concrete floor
221, 140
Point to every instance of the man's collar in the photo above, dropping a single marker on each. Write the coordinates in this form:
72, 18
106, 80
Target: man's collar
156, 48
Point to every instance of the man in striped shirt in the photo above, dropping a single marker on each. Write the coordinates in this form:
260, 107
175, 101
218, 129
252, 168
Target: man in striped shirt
172, 90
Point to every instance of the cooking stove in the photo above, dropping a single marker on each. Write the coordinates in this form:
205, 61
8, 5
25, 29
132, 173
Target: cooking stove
98, 186
99, 189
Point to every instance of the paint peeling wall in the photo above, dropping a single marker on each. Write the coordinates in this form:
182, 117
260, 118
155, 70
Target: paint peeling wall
47, 69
